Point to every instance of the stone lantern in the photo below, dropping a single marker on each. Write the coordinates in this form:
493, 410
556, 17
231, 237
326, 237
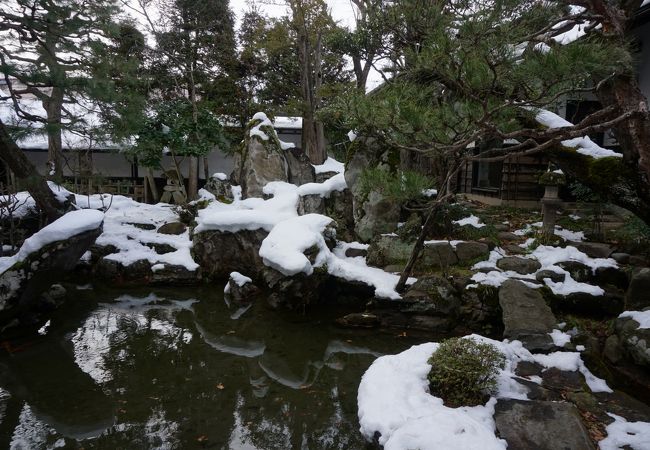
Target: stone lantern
551, 180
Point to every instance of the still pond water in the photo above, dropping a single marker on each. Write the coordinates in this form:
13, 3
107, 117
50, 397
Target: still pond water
164, 369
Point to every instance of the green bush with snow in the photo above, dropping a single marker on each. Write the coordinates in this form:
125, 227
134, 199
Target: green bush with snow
464, 371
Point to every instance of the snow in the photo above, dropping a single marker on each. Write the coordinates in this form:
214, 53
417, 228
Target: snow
288, 122
471, 220
220, 176
573, 34
324, 189
136, 244
44, 329
239, 279
67, 226
642, 317
330, 165
568, 235
394, 400
256, 130
583, 145
548, 257
624, 434
430, 192
283, 249
290, 234
560, 339
352, 136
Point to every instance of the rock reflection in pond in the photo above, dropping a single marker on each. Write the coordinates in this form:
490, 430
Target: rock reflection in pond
174, 369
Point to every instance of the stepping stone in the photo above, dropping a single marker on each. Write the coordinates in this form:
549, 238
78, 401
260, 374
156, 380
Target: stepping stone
526, 316
541, 425
523, 266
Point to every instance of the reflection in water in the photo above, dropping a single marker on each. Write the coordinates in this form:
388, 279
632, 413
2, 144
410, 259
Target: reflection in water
180, 369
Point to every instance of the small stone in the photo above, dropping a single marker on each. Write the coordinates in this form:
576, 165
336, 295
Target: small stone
359, 320
173, 228
578, 271
621, 258
593, 249
522, 266
550, 274
507, 236
355, 252
514, 249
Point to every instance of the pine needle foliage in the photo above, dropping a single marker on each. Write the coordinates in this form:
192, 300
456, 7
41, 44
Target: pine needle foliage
464, 371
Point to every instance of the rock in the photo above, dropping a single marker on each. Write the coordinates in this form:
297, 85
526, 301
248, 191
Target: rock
220, 188
578, 271
550, 274
380, 215
638, 261
612, 276
480, 310
469, 252
241, 292
608, 304
142, 226
359, 320
501, 227
523, 266
300, 169
621, 258
540, 425
171, 274
161, 248
635, 341
514, 249
593, 249
612, 350
637, 296
432, 295
311, 204
221, 252
355, 252
526, 316
507, 236
172, 228
259, 161
439, 255
388, 250
22, 284
562, 380
528, 368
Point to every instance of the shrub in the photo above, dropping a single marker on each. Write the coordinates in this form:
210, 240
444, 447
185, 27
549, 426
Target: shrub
463, 371
402, 186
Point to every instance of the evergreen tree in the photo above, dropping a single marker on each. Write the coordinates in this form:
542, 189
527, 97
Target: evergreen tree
194, 61
47, 50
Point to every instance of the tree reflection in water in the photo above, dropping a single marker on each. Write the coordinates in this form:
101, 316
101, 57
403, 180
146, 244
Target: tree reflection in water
180, 369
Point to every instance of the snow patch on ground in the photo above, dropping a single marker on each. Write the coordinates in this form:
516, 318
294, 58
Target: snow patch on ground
471, 220
394, 400
622, 433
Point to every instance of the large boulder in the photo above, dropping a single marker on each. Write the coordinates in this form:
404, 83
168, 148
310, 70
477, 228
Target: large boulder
637, 296
300, 169
471, 251
634, 340
221, 252
541, 425
526, 316
219, 186
42, 260
380, 215
260, 159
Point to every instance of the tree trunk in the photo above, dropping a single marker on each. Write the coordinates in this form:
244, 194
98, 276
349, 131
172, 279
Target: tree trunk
28, 176
193, 178
53, 106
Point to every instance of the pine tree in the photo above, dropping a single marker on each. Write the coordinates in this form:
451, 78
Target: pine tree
48, 49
